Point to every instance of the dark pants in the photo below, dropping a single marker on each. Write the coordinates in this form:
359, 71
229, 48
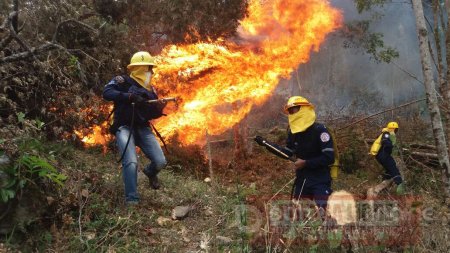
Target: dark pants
390, 167
318, 192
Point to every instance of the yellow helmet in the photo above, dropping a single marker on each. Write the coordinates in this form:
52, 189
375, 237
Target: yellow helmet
296, 101
142, 58
392, 125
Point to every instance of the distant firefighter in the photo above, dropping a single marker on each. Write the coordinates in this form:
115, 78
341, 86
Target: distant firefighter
382, 150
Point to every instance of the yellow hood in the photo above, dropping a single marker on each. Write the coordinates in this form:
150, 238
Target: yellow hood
141, 75
301, 120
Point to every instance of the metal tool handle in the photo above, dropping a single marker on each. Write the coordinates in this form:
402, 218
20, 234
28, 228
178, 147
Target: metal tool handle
168, 99
276, 150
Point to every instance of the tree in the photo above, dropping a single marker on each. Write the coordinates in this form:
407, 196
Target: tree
427, 69
54, 65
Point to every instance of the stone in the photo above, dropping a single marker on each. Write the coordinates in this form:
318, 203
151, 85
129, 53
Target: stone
180, 212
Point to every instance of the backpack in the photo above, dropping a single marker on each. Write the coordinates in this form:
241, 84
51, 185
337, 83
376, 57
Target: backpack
334, 168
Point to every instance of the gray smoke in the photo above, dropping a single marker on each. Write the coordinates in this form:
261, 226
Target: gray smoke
337, 77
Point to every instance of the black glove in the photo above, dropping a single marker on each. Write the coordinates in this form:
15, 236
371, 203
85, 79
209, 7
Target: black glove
260, 140
137, 99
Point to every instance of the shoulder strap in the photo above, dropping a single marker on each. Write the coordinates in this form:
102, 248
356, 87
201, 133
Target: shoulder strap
111, 113
160, 137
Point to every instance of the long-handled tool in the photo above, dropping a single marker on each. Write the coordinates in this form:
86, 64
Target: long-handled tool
269, 146
277, 151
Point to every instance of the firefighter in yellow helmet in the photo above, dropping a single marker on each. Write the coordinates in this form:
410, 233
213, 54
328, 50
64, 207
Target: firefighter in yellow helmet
132, 114
312, 145
382, 150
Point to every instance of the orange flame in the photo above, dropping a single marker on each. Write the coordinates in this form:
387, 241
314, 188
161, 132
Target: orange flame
220, 82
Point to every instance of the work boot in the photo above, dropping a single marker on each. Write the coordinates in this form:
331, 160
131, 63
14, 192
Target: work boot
154, 182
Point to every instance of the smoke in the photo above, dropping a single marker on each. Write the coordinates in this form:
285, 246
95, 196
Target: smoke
337, 77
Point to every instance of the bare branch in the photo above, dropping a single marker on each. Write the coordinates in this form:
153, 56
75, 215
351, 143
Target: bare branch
407, 72
84, 53
75, 22
33, 51
7, 25
378, 113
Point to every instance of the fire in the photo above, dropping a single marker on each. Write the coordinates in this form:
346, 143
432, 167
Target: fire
98, 137
219, 82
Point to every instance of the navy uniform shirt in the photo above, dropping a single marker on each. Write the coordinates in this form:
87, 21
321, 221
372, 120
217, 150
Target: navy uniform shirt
315, 146
386, 147
119, 90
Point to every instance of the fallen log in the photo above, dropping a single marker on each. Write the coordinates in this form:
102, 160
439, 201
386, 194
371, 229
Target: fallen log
424, 155
423, 146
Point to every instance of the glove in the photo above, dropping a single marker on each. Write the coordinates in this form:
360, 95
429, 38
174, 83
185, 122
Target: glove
260, 140
400, 189
137, 99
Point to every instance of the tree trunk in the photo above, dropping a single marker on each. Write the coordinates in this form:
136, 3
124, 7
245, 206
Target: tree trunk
446, 87
442, 59
433, 107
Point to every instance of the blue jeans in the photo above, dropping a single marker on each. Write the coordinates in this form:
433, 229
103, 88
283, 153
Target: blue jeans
144, 138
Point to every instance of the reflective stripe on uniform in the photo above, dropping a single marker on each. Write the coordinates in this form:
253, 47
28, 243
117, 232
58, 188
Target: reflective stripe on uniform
328, 149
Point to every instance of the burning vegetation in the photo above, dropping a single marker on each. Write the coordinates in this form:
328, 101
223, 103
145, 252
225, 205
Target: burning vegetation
221, 66
219, 82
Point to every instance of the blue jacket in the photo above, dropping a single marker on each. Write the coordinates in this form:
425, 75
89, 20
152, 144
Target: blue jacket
119, 90
315, 146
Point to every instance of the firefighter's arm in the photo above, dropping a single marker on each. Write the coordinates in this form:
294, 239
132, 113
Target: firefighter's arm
112, 92
386, 143
326, 158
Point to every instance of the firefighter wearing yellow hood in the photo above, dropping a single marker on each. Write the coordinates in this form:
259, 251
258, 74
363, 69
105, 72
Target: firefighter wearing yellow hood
131, 128
312, 144
382, 150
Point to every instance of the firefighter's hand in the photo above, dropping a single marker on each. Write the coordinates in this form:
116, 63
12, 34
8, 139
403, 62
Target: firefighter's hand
259, 140
137, 99
299, 164
162, 103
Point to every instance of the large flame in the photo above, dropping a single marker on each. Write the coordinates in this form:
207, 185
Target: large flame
220, 82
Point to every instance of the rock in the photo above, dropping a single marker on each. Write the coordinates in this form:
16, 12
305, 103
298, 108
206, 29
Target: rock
224, 239
180, 212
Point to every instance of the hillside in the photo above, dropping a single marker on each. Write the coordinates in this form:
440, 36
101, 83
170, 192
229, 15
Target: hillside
87, 213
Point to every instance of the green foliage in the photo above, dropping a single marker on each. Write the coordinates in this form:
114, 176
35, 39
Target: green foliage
20, 117
40, 167
31, 166
24, 170
365, 5
39, 124
359, 36
74, 66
